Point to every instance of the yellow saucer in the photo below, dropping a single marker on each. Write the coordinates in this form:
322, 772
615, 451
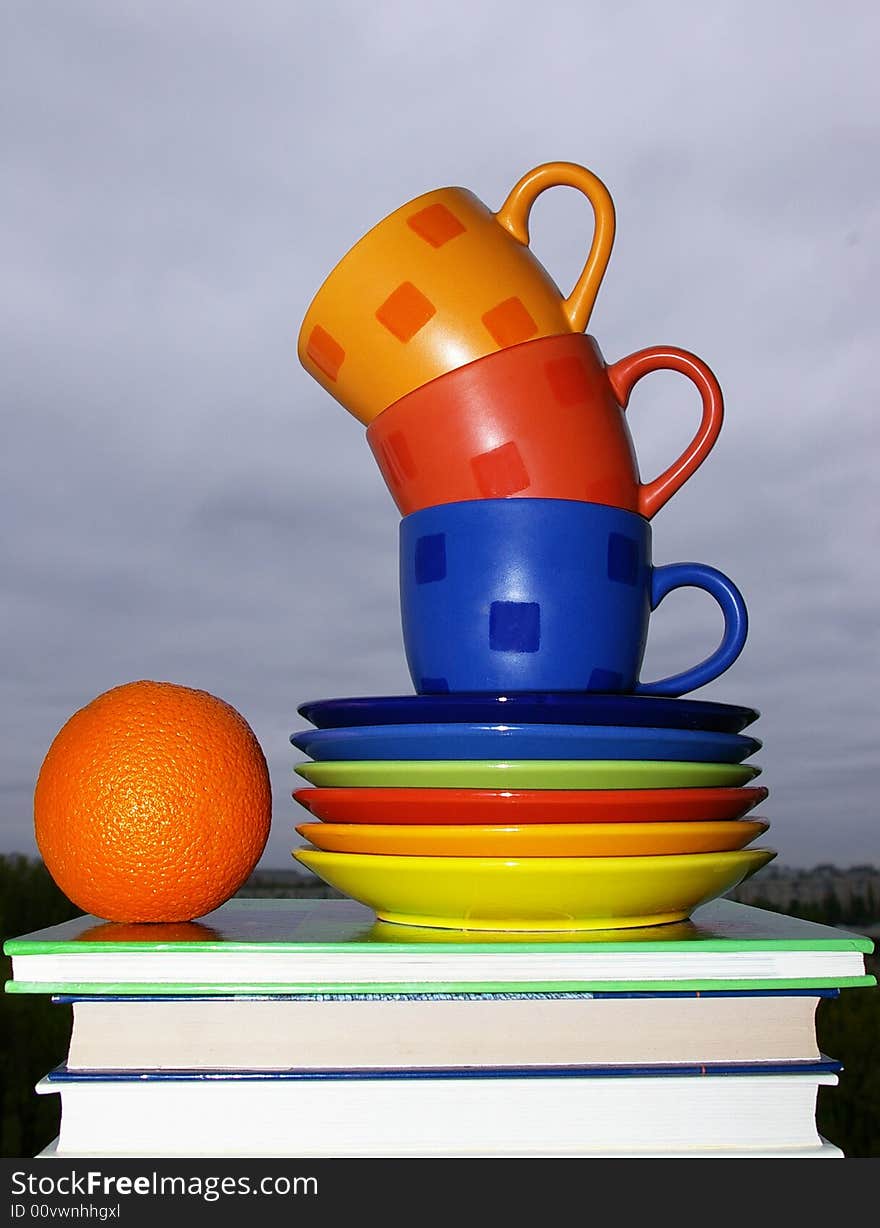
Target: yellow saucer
533, 839
539, 894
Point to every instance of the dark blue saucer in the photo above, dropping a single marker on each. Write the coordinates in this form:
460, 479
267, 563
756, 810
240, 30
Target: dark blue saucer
535, 708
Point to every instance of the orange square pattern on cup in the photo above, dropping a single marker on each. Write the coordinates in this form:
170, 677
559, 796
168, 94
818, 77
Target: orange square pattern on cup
436, 224
510, 323
441, 282
325, 353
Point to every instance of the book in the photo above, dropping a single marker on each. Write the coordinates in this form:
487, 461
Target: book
327, 945
572, 1112
825, 1151
419, 1031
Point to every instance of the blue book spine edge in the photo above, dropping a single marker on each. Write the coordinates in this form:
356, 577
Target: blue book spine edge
62, 1075
64, 998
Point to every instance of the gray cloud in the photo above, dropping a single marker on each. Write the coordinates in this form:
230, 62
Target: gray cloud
180, 500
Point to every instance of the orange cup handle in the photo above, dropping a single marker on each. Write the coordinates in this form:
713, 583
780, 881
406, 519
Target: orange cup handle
514, 217
624, 375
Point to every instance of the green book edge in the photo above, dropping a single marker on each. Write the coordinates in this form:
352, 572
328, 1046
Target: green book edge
409, 987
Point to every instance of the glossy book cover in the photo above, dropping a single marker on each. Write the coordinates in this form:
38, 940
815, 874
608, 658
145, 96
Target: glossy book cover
272, 946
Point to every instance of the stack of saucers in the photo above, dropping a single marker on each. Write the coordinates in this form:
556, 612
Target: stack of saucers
530, 811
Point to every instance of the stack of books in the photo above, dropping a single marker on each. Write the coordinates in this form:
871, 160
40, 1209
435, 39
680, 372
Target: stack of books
306, 1028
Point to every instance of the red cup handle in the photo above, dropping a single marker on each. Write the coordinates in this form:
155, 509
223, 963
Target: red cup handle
624, 376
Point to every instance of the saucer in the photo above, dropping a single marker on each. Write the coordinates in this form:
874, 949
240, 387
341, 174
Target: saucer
539, 894
503, 806
538, 708
526, 774
482, 741
534, 840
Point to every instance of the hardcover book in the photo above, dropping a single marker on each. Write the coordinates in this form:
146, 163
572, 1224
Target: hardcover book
572, 1112
423, 1031
325, 945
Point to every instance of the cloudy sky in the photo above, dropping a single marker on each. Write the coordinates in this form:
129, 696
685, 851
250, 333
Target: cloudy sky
181, 501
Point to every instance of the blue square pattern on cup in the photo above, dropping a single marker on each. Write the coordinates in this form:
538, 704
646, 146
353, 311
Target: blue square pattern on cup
430, 558
623, 559
514, 626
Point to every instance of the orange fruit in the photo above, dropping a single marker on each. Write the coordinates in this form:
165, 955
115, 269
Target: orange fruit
153, 803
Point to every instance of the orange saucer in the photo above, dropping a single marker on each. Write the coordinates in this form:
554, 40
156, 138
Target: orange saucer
535, 840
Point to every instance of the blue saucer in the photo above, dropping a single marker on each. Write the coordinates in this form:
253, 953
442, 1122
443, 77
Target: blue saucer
537, 708
470, 740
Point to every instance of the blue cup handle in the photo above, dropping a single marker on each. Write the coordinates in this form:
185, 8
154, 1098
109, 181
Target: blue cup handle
736, 624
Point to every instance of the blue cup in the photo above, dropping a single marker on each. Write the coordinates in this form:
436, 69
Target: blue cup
514, 595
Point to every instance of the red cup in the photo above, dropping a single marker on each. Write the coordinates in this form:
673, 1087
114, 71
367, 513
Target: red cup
544, 419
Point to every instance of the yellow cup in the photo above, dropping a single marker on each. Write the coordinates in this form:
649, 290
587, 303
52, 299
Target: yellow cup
441, 282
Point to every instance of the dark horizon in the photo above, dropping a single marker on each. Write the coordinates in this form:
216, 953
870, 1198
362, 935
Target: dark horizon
779, 864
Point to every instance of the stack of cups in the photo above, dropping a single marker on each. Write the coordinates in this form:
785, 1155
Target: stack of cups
525, 539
